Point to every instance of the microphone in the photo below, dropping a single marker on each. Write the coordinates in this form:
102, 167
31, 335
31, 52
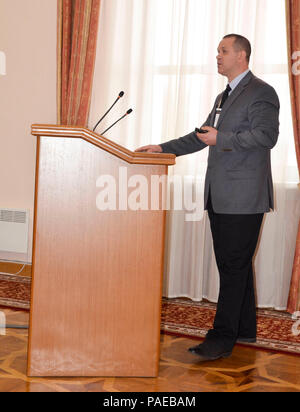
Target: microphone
121, 94
126, 114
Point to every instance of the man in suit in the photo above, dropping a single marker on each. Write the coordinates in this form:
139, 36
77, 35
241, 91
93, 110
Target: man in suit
240, 131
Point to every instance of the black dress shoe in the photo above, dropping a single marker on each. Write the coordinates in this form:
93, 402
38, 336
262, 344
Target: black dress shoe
194, 349
208, 352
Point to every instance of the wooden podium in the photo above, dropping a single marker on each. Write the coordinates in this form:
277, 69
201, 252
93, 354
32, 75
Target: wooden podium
97, 275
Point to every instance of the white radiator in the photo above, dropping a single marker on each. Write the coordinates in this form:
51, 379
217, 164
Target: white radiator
14, 230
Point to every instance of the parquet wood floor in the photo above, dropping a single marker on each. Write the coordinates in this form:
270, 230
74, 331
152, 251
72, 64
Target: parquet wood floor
248, 370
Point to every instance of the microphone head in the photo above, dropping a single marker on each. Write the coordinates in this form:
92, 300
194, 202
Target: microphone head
129, 111
121, 94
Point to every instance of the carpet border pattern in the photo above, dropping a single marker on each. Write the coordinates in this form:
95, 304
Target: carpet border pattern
179, 328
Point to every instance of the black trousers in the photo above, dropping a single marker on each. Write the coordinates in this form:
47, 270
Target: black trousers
235, 239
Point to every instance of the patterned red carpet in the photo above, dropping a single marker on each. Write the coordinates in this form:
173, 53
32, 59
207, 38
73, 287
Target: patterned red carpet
186, 318
15, 291
181, 316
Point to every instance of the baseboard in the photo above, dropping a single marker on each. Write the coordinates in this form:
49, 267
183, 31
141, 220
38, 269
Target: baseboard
15, 284
15, 267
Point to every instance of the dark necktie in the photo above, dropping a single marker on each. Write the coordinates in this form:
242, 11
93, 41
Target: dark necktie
225, 95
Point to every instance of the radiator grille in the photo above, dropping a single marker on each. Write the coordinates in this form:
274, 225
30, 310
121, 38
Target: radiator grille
14, 216
14, 230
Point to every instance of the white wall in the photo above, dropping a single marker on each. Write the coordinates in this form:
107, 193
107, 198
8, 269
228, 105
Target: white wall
27, 95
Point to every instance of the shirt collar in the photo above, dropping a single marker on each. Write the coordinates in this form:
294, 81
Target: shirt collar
233, 84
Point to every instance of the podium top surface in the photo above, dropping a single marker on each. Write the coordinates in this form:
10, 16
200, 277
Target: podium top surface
103, 143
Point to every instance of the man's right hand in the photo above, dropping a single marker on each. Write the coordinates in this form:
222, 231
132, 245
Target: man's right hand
150, 149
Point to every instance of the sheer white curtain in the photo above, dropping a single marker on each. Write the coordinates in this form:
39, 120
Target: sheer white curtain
162, 54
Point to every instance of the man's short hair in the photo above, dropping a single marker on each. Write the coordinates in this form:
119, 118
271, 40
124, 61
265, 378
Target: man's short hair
240, 43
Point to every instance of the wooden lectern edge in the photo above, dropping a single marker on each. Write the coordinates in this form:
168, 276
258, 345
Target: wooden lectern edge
104, 143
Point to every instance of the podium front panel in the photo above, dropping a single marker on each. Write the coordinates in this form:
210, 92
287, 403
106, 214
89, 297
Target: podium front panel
97, 275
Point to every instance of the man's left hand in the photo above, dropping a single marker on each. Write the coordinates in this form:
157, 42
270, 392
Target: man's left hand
209, 138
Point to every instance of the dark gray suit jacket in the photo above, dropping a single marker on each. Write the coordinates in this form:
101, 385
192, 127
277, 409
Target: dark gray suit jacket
239, 166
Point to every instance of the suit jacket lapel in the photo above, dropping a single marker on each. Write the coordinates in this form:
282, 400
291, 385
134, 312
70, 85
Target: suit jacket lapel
234, 95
